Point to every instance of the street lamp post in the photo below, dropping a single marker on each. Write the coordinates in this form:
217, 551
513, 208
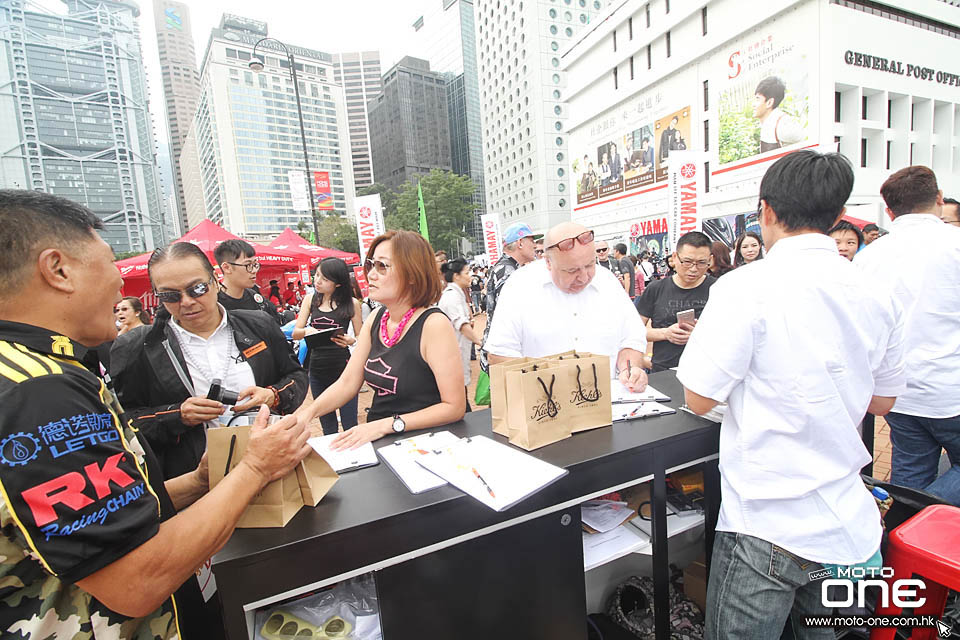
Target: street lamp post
257, 65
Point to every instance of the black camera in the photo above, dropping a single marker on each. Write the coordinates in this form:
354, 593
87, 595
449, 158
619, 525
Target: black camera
218, 393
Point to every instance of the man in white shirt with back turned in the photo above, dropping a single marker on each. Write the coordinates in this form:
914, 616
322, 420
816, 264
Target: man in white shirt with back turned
927, 416
799, 360
565, 302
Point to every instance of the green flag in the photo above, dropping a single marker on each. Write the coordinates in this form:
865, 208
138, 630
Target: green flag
313, 238
423, 214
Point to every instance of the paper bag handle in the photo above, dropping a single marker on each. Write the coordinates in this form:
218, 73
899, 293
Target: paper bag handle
594, 395
552, 408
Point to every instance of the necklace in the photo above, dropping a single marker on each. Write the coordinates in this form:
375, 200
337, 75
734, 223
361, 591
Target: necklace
389, 340
203, 368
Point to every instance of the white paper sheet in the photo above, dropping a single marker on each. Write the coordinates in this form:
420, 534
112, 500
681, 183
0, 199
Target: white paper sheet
401, 455
620, 393
497, 475
604, 515
344, 460
631, 411
600, 548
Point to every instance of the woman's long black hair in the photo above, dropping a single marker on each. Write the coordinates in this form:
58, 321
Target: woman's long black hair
452, 268
336, 271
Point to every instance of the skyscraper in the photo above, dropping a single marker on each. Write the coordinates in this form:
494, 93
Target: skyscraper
246, 133
409, 126
446, 36
181, 83
74, 115
359, 75
525, 144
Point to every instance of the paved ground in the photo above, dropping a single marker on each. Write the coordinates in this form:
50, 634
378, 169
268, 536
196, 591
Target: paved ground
881, 456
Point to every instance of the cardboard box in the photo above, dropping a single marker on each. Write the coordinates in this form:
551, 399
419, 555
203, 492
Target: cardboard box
695, 582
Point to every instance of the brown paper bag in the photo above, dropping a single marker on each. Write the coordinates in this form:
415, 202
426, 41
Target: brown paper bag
535, 412
498, 390
588, 402
315, 477
279, 501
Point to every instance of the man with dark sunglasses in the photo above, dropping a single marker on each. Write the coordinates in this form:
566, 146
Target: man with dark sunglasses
239, 265
565, 302
605, 260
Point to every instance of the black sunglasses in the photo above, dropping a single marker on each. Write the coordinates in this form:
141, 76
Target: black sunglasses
379, 265
195, 291
565, 245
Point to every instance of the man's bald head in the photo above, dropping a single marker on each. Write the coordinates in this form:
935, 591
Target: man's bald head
562, 231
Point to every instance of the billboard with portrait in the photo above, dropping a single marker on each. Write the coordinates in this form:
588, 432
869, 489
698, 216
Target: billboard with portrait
764, 81
673, 134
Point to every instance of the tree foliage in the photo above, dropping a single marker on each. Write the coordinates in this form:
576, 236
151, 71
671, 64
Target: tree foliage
388, 198
123, 255
448, 204
337, 233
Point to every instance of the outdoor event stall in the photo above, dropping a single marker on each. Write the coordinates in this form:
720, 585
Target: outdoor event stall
288, 254
443, 565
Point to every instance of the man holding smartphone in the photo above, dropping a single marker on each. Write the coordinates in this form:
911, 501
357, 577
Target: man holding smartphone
673, 304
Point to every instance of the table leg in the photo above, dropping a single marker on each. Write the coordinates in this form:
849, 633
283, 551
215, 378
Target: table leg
661, 560
711, 498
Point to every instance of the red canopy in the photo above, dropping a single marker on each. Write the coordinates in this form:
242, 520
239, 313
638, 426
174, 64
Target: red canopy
857, 222
291, 242
207, 236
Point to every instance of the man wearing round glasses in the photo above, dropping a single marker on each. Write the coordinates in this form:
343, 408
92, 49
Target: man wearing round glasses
686, 290
238, 263
565, 302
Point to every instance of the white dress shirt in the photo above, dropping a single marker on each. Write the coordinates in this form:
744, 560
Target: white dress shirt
534, 318
214, 357
797, 344
454, 305
920, 260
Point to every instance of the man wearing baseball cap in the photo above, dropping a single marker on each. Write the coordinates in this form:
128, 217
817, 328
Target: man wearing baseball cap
518, 250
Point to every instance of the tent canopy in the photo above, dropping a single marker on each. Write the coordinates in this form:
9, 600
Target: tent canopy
207, 236
290, 241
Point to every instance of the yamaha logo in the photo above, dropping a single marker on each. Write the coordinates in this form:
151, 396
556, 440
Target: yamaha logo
365, 212
489, 224
688, 170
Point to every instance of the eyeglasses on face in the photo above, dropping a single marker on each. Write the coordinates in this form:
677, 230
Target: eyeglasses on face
699, 264
538, 252
603, 250
568, 243
251, 267
194, 291
379, 265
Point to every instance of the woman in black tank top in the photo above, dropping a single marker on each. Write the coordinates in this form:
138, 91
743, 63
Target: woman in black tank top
331, 307
406, 352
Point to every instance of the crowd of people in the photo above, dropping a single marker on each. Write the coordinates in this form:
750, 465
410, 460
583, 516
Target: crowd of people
800, 330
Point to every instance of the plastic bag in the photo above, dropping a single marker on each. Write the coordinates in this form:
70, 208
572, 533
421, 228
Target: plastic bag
353, 602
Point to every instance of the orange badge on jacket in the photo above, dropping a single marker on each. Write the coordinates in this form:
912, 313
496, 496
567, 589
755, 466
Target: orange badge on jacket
255, 349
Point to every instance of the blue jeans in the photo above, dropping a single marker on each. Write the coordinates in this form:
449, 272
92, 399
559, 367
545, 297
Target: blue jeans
916, 454
754, 586
475, 297
348, 412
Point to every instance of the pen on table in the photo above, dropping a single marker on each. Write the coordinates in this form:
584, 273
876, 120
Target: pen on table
480, 478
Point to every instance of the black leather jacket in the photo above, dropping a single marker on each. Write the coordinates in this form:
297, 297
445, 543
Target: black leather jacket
151, 392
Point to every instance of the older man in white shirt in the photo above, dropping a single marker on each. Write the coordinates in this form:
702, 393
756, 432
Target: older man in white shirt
565, 302
927, 416
799, 360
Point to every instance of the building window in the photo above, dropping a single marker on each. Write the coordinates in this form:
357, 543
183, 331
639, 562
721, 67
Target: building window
668, 43
630, 28
703, 20
647, 11
615, 83
889, 115
649, 57
706, 177
631, 67
706, 95
836, 141
668, 6
614, 40
913, 112
863, 152
888, 154
706, 135
836, 106
863, 107
911, 154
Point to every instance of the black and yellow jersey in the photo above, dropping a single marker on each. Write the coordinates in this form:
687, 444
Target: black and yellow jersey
76, 493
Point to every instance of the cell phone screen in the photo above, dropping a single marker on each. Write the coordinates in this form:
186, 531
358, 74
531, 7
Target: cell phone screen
686, 317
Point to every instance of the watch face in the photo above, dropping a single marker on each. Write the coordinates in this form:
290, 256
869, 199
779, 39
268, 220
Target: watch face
399, 425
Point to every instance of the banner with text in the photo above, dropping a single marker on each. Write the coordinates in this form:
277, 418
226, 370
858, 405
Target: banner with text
492, 242
685, 185
369, 221
322, 190
298, 190
361, 277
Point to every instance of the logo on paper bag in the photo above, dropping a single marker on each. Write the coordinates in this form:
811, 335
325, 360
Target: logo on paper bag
579, 397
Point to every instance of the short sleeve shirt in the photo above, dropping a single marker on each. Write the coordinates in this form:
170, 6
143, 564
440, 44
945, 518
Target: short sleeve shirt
661, 301
76, 495
626, 267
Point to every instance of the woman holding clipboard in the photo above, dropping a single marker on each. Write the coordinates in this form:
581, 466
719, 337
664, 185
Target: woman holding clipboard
324, 320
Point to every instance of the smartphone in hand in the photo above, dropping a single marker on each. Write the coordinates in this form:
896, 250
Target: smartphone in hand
686, 317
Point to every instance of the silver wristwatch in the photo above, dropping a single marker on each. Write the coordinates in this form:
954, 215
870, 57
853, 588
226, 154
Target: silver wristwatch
399, 426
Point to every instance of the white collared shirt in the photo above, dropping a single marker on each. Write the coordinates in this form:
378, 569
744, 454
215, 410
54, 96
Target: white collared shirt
534, 318
214, 357
797, 344
920, 260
